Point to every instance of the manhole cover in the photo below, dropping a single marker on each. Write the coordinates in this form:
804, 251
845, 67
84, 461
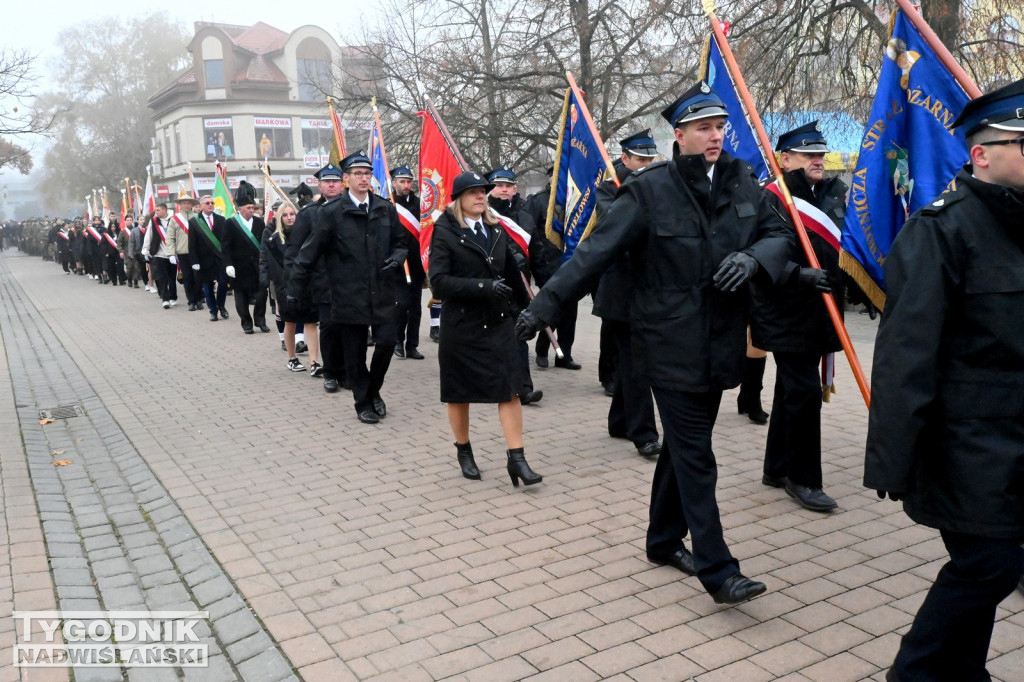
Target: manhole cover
61, 412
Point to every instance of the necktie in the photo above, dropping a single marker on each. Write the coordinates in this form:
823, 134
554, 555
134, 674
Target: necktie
362, 207
481, 233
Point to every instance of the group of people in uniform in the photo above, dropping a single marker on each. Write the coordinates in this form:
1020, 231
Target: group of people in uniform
691, 260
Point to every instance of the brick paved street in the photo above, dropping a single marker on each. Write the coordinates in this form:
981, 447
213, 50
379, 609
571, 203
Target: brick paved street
204, 473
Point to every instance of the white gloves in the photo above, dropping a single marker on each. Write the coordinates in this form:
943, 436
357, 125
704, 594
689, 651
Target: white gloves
230, 270
195, 266
174, 260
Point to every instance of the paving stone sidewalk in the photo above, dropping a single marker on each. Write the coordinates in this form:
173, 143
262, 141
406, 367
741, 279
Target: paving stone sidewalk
363, 554
114, 538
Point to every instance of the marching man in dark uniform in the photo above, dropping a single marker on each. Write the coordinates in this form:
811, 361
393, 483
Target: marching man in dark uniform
408, 295
363, 245
504, 198
240, 251
698, 230
946, 426
792, 323
206, 229
631, 414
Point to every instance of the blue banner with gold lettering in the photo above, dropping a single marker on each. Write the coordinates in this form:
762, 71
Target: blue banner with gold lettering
578, 169
740, 140
908, 156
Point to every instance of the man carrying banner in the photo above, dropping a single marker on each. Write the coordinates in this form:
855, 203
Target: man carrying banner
698, 229
946, 427
631, 414
408, 295
792, 323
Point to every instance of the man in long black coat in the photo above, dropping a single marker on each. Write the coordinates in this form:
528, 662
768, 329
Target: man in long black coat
792, 322
204, 253
240, 251
946, 426
362, 241
698, 229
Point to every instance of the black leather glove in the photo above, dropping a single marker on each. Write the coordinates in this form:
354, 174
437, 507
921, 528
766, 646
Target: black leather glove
736, 269
521, 263
895, 497
501, 290
391, 264
527, 325
813, 278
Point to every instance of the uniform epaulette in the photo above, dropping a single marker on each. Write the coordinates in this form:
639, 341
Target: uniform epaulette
945, 199
656, 164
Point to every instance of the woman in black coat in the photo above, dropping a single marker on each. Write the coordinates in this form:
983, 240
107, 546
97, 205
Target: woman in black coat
473, 271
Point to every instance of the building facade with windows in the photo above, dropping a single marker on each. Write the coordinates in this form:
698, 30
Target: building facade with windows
253, 94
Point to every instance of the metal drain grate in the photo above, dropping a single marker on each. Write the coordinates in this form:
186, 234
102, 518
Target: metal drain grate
62, 412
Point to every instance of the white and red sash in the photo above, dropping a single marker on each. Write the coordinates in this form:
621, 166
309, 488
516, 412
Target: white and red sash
183, 224
813, 218
64, 236
408, 220
94, 233
110, 240
514, 231
160, 229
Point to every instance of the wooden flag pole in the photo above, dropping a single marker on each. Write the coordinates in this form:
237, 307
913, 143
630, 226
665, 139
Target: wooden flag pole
593, 128
801, 231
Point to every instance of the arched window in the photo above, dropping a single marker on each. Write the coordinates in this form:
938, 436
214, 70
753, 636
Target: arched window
313, 64
213, 63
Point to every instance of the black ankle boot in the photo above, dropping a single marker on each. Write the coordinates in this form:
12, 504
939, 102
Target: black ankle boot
465, 456
749, 400
519, 468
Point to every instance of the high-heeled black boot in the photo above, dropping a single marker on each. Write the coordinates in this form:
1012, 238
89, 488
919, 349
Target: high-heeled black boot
749, 400
519, 468
466, 461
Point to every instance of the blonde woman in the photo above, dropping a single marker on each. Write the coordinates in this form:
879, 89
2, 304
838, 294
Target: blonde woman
273, 276
472, 269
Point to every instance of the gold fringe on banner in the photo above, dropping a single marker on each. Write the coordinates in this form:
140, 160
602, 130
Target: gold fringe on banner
854, 269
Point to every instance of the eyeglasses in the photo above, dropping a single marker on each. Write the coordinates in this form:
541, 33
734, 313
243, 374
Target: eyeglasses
361, 175
1016, 140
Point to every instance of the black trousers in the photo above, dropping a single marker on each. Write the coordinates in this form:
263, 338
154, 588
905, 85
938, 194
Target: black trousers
409, 310
565, 331
524, 366
793, 447
366, 382
115, 270
65, 261
246, 296
950, 636
331, 352
190, 280
683, 493
608, 360
631, 414
214, 301
165, 273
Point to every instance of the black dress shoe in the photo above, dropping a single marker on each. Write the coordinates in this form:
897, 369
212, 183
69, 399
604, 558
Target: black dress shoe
681, 560
891, 675
213, 317
223, 314
567, 363
331, 385
531, 397
773, 482
813, 499
650, 450
248, 329
264, 328
413, 354
738, 588
379, 408
191, 307
609, 389
399, 353
199, 306
369, 417
542, 361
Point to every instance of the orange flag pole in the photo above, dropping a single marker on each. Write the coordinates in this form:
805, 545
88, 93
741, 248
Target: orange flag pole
801, 231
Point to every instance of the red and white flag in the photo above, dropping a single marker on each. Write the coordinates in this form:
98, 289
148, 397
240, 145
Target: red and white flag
515, 232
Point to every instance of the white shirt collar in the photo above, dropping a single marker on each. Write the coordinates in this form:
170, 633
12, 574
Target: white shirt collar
357, 202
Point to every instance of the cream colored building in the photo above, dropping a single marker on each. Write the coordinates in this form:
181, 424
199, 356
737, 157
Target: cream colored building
253, 93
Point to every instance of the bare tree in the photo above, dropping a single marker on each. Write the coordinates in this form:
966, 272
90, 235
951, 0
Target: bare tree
15, 156
17, 81
103, 126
